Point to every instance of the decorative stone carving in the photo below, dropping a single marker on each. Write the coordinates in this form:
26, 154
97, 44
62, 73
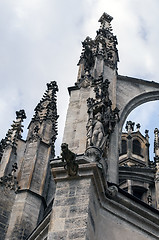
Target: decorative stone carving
68, 158
20, 114
111, 191
156, 142
87, 54
102, 118
99, 52
149, 196
14, 133
149, 200
45, 111
98, 134
10, 181
130, 126
85, 81
94, 154
157, 168
107, 49
34, 135
138, 126
2, 147
147, 134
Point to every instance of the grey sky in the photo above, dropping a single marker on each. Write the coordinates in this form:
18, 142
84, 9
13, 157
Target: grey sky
40, 41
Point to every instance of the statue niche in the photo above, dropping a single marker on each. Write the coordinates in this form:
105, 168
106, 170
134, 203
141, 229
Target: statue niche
101, 120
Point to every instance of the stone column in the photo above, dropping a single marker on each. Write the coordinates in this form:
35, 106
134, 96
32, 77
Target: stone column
74, 214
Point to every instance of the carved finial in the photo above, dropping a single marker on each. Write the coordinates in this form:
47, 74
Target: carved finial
14, 133
46, 109
105, 18
138, 126
147, 135
21, 114
130, 126
52, 86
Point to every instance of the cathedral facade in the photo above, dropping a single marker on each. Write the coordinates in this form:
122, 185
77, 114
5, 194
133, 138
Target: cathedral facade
104, 186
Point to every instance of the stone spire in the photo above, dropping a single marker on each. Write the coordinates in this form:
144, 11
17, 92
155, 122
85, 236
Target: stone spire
35, 168
8, 145
45, 113
46, 108
98, 53
107, 42
14, 133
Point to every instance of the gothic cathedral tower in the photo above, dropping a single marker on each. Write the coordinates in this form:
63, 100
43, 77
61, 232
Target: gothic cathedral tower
91, 192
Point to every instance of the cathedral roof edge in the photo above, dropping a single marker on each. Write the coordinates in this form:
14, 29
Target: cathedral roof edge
138, 80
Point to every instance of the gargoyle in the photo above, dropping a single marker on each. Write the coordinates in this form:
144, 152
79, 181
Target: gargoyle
69, 158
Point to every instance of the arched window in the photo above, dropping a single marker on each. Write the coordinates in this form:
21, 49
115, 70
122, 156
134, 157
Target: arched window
123, 147
138, 191
136, 147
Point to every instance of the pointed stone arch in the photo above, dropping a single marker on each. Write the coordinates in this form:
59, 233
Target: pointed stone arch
135, 102
130, 93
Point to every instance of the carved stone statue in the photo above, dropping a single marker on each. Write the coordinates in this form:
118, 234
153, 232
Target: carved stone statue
88, 54
69, 158
89, 128
98, 135
102, 119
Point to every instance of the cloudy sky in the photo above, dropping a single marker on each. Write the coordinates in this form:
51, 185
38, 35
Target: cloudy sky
40, 41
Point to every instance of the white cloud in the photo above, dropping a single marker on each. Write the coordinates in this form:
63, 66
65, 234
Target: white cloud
40, 41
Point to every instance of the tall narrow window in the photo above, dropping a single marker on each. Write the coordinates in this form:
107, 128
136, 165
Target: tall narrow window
123, 147
136, 147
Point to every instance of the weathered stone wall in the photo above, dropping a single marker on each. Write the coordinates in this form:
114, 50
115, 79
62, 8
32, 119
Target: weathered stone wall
117, 227
76, 120
7, 197
93, 215
70, 210
24, 215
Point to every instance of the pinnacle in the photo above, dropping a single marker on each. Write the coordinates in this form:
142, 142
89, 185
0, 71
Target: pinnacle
105, 18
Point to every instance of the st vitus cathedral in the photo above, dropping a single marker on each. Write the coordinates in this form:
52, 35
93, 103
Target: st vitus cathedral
104, 186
